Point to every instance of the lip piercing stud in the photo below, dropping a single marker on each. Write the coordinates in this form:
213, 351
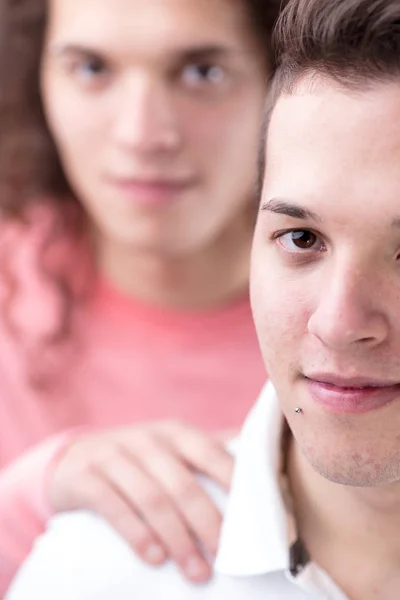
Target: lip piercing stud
298, 411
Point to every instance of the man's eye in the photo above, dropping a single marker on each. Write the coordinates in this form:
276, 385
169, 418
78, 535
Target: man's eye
90, 69
203, 73
299, 239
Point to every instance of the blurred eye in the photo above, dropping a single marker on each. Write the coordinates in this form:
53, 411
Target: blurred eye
297, 240
203, 73
90, 70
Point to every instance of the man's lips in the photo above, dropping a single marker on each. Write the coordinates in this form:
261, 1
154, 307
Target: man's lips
351, 395
151, 192
351, 382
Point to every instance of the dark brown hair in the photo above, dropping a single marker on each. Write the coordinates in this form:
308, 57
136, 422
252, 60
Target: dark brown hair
29, 164
355, 43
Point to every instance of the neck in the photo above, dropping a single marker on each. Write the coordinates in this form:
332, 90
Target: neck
352, 533
211, 276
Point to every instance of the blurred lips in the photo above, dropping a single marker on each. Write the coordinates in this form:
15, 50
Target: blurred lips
350, 395
152, 192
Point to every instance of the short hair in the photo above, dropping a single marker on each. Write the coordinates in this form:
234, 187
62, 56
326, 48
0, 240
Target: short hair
355, 43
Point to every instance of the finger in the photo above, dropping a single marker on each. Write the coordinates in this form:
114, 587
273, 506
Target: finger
186, 492
100, 496
201, 451
150, 501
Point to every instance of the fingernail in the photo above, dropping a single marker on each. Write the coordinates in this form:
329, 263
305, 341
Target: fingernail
197, 569
155, 554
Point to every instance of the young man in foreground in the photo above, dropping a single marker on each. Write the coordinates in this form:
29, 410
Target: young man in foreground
325, 294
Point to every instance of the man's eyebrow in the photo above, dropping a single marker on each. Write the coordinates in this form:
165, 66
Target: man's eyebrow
185, 53
282, 207
72, 49
196, 53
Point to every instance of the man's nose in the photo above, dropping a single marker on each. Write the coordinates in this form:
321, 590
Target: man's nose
146, 120
349, 310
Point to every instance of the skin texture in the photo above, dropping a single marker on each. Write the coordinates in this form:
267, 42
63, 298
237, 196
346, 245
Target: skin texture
156, 90
329, 303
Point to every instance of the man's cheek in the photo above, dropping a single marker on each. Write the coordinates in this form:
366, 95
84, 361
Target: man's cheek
281, 325
275, 325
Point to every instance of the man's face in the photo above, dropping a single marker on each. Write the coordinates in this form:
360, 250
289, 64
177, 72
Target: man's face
325, 280
155, 107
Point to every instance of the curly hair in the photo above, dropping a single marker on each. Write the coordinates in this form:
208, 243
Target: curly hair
30, 167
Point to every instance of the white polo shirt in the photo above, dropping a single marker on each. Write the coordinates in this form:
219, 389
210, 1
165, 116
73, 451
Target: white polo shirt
81, 558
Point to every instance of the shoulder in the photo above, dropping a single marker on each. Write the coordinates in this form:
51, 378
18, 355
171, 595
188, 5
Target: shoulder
44, 232
43, 258
81, 557
78, 558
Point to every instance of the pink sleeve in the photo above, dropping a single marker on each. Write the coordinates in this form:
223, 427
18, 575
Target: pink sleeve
24, 508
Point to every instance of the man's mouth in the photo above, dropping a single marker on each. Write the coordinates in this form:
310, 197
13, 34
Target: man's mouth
360, 394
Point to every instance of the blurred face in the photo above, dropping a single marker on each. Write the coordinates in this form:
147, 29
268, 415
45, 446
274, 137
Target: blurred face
326, 277
155, 108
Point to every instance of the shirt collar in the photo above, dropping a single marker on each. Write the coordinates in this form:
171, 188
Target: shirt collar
258, 534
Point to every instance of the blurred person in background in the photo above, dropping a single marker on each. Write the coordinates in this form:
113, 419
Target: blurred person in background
129, 139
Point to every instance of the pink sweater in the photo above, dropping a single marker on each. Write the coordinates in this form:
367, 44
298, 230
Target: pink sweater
133, 364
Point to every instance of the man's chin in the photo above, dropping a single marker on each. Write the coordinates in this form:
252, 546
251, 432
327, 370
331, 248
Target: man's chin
355, 472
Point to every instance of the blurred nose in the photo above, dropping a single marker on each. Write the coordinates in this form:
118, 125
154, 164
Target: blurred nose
146, 120
349, 311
